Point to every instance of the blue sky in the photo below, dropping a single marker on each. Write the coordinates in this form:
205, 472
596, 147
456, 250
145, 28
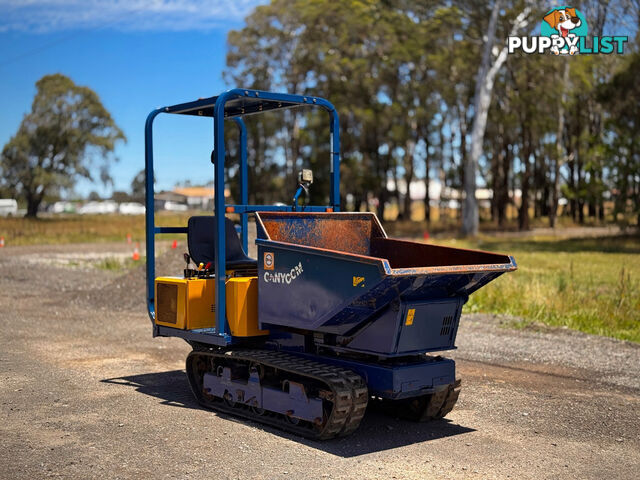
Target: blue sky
137, 55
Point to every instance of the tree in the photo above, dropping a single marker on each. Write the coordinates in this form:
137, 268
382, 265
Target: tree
94, 196
120, 197
138, 186
484, 88
621, 95
67, 135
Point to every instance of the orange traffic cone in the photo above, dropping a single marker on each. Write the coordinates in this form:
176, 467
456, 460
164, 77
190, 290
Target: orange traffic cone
129, 238
1, 242
136, 252
174, 245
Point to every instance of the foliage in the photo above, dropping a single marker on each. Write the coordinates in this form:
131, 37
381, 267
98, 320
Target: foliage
138, 186
402, 75
622, 149
67, 131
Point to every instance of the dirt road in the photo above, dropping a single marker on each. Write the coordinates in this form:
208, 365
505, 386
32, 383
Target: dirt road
85, 392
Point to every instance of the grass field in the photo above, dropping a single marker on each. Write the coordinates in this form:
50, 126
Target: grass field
587, 284
82, 228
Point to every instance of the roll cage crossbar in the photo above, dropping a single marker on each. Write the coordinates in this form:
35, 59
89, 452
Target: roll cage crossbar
233, 105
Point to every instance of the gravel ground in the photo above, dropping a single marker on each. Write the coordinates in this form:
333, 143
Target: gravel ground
85, 392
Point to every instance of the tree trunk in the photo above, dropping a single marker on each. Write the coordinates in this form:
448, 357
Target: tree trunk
33, 203
427, 205
523, 213
482, 101
505, 171
553, 211
396, 192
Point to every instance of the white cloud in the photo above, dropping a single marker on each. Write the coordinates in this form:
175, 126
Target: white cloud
43, 16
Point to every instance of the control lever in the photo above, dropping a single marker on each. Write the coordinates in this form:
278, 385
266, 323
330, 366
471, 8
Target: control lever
305, 179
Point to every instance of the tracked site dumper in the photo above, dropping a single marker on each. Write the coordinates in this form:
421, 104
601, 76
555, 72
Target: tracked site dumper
331, 316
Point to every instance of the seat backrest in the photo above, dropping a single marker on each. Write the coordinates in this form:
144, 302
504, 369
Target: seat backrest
201, 240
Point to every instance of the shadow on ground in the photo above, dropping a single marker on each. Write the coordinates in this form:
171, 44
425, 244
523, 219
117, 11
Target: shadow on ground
377, 432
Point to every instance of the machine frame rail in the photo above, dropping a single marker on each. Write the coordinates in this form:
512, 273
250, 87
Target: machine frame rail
348, 396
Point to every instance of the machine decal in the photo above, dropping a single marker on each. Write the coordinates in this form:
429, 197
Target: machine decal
358, 281
410, 314
286, 277
268, 261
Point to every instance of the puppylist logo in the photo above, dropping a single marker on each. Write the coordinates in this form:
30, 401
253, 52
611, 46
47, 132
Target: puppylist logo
564, 31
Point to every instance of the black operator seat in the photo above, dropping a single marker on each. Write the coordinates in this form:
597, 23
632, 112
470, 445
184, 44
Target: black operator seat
201, 240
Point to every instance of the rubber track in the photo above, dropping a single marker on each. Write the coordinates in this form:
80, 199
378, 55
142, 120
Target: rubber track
427, 407
349, 392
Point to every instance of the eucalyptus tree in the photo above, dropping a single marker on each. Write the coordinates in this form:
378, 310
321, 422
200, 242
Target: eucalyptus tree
67, 135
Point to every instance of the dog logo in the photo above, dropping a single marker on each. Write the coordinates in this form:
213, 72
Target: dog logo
563, 31
567, 24
268, 261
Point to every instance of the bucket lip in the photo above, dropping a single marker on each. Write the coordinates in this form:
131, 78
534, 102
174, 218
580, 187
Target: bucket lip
457, 269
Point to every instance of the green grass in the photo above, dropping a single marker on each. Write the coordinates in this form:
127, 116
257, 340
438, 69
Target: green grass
82, 228
587, 284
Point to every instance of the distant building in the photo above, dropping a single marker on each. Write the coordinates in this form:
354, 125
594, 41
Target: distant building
170, 201
199, 198
183, 198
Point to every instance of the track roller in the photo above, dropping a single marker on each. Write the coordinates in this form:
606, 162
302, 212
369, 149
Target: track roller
306, 397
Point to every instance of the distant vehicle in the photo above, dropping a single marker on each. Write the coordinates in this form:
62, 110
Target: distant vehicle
131, 208
63, 207
175, 207
107, 206
8, 207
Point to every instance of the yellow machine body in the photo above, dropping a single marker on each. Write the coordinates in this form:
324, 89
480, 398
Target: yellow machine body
184, 303
242, 307
189, 304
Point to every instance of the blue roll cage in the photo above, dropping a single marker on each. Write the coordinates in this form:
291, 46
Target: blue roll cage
232, 104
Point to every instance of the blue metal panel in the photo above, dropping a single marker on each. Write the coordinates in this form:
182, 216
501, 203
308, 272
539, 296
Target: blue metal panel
399, 380
430, 326
305, 288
